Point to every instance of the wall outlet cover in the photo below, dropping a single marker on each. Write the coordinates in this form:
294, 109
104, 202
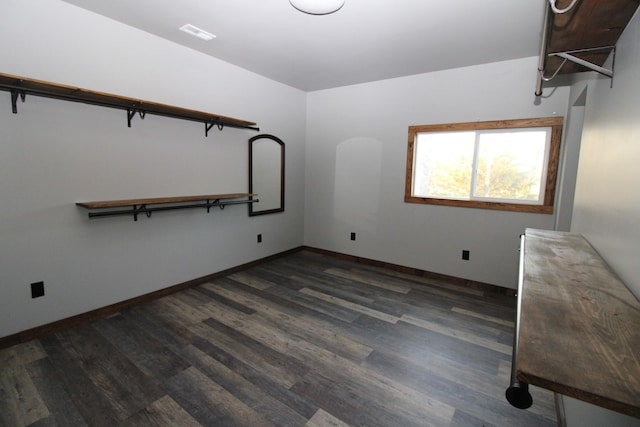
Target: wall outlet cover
37, 289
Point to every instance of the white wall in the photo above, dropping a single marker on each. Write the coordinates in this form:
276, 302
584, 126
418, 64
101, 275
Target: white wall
607, 201
583, 414
356, 161
54, 153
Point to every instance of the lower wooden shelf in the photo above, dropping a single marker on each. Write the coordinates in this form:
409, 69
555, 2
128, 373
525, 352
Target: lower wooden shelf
147, 206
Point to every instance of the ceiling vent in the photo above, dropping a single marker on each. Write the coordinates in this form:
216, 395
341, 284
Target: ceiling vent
197, 32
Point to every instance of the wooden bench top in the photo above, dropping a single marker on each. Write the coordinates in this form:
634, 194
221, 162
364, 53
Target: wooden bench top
580, 324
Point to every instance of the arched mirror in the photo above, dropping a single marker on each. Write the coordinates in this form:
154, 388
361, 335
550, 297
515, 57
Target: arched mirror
266, 174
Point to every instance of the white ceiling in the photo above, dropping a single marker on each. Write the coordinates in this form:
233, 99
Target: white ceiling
366, 40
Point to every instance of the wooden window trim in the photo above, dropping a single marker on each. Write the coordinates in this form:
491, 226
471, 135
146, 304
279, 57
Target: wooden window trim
555, 123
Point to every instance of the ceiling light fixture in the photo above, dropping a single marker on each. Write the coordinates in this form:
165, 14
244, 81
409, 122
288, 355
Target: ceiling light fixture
317, 7
195, 31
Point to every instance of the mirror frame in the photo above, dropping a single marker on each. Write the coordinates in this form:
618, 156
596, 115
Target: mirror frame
275, 139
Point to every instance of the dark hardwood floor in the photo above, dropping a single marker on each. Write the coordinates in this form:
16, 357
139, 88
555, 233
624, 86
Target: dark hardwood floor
304, 340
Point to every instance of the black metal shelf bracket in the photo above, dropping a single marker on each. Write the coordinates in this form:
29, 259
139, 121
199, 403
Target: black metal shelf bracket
208, 126
14, 99
136, 210
131, 112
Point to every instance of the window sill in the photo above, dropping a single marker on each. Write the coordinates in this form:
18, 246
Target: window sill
512, 207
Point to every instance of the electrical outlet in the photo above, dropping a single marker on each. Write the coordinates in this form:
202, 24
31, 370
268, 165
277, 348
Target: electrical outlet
259, 238
353, 236
37, 289
465, 255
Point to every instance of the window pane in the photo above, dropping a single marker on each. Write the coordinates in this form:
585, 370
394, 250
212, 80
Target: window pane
510, 165
443, 164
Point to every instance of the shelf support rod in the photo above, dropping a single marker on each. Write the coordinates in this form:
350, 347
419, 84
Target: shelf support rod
144, 209
542, 60
593, 67
517, 393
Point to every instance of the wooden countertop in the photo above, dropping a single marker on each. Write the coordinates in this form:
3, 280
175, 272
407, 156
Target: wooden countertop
580, 324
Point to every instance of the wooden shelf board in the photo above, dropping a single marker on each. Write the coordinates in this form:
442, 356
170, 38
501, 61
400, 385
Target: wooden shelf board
161, 200
56, 90
589, 24
580, 324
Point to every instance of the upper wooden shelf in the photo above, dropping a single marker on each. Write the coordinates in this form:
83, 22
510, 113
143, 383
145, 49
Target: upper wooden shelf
139, 206
580, 36
579, 324
592, 28
21, 86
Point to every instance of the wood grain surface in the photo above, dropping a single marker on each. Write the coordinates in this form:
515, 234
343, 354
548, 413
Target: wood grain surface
302, 340
161, 200
579, 332
9, 81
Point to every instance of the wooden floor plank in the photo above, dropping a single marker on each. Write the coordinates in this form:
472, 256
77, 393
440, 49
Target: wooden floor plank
488, 401
148, 354
458, 334
20, 401
279, 368
183, 310
62, 410
345, 403
297, 325
225, 300
251, 280
349, 305
94, 406
370, 279
161, 324
260, 379
341, 288
324, 419
418, 282
446, 317
258, 400
408, 339
272, 274
507, 323
22, 354
325, 361
303, 340
164, 412
209, 403
386, 405
126, 387
314, 304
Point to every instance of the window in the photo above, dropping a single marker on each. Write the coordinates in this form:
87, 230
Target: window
506, 165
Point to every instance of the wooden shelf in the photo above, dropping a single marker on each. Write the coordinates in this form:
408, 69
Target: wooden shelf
592, 26
160, 200
149, 205
21, 86
579, 324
